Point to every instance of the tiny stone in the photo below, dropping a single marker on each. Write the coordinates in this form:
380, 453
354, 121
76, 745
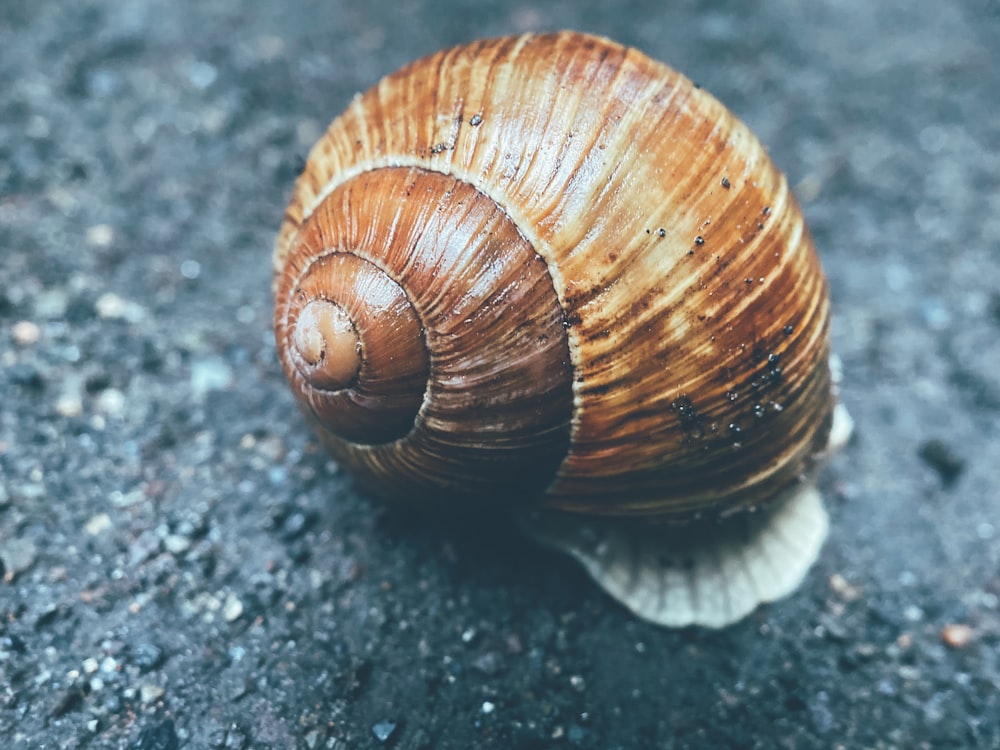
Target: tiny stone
100, 235
956, 635
146, 656
190, 269
90, 665
577, 682
25, 332
111, 402
210, 375
110, 305
69, 406
845, 590
232, 609
176, 544
383, 730
97, 524
18, 555
487, 707
149, 693
201, 74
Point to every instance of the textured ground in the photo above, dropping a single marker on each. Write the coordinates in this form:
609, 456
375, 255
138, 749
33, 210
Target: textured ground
182, 569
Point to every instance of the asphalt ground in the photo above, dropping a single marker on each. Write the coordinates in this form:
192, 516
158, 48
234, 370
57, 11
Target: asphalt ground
183, 568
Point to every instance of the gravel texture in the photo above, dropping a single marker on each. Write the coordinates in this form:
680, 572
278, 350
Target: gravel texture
182, 568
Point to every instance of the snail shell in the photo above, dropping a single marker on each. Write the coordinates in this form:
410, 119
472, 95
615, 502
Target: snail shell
548, 272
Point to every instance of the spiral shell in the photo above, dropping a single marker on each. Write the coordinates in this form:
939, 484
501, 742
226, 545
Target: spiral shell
547, 271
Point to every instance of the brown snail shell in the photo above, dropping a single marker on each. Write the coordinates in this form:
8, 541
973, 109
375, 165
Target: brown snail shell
549, 272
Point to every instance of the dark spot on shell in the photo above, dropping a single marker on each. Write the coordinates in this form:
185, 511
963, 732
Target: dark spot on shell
699, 240
788, 330
766, 211
662, 232
725, 183
476, 120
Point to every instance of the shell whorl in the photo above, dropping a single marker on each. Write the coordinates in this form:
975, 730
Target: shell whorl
671, 318
440, 266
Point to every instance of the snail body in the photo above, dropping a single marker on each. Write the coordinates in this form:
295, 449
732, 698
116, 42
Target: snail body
549, 273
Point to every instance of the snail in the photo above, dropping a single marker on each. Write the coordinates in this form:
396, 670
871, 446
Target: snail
549, 274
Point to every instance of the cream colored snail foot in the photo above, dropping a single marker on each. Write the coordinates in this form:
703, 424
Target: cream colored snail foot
712, 573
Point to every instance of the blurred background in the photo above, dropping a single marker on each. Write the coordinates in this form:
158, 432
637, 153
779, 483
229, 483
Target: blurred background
182, 568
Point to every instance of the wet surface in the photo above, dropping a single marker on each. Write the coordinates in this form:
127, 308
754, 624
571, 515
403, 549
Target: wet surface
183, 568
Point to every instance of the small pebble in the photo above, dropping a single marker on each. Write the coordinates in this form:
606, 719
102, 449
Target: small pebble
112, 307
487, 707
97, 524
190, 269
147, 656
845, 590
69, 405
232, 609
176, 544
956, 635
111, 401
100, 235
25, 332
150, 693
18, 555
383, 730
210, 375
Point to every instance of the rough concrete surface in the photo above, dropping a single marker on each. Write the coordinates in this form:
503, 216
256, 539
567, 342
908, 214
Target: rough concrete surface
181, 567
